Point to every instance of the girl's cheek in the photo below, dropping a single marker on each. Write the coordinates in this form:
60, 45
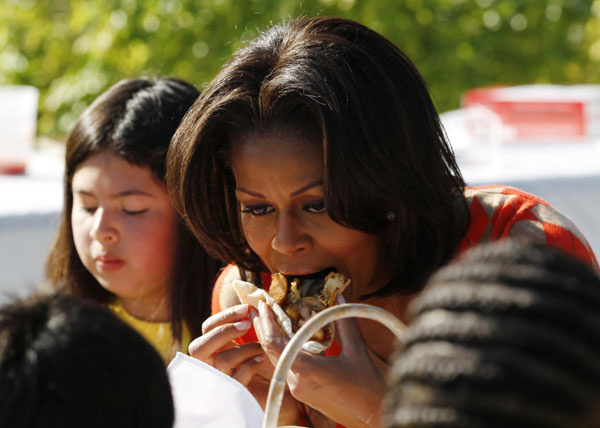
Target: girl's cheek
76, 227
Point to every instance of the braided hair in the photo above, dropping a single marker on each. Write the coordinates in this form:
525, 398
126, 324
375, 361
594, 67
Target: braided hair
507, 336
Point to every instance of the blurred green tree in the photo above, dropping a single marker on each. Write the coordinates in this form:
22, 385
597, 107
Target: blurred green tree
72, 50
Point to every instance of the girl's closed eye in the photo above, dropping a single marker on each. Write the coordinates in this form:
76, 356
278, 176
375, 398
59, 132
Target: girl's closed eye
135, 204
134, 212
257, 210
132, 209
85, 203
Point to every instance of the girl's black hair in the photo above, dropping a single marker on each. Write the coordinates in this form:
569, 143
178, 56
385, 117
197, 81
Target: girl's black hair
71, 364
136, 119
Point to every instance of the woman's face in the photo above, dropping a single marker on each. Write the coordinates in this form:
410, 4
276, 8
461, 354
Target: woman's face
279, 185
125, 230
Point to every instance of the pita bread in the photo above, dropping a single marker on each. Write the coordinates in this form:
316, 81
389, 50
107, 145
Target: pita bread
251, 294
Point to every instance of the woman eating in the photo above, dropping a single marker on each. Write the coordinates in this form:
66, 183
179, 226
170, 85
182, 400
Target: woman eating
317, 148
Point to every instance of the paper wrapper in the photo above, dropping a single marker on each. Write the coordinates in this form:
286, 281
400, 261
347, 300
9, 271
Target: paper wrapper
205, 397
251, 294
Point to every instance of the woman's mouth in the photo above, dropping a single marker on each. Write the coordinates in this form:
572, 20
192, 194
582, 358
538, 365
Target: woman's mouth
311, 274
307, 273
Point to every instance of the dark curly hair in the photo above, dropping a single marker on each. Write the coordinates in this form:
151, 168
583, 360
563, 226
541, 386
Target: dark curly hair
69, 363
505, 337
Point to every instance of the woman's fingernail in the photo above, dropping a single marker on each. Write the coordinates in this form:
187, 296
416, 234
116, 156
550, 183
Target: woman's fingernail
261, 305
242, 325
259, 358
204, 327
240, 309
193, 345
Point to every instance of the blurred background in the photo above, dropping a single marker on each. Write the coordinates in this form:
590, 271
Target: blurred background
72, 50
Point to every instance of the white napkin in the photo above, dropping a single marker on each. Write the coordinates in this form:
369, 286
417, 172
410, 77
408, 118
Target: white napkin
204, 397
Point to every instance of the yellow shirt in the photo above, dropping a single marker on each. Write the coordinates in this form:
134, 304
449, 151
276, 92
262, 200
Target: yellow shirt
157, 333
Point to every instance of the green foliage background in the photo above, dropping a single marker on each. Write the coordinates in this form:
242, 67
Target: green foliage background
72, 50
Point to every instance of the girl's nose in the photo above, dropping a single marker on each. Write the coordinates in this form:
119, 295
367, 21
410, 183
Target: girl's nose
104, 228
289, 237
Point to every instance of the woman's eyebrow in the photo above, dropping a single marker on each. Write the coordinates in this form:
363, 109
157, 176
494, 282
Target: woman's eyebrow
294, 193
307, 187
249, 192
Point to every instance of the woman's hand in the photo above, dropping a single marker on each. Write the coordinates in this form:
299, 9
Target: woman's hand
348, 389
245, 363
217, 348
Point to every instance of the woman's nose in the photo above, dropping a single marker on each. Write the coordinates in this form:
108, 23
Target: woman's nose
104, 228
289, 237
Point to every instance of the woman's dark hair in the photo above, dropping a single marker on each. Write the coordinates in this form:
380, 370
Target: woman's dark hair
69, 363
505, 337
136, 119
385, 153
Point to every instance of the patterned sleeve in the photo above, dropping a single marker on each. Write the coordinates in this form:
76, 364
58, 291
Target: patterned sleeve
499, 212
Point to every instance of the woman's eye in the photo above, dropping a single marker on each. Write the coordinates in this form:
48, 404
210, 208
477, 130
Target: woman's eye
315, 207
89, 210
258, 210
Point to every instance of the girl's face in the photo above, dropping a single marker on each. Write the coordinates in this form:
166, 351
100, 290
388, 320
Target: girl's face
125, 231
279, 185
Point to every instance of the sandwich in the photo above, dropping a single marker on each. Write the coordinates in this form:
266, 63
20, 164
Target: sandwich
296, 299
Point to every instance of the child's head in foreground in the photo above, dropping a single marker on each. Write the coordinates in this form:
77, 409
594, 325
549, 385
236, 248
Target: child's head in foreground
68, 363
507, 336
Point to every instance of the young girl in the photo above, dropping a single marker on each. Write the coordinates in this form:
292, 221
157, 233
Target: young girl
318, 148
121, 242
